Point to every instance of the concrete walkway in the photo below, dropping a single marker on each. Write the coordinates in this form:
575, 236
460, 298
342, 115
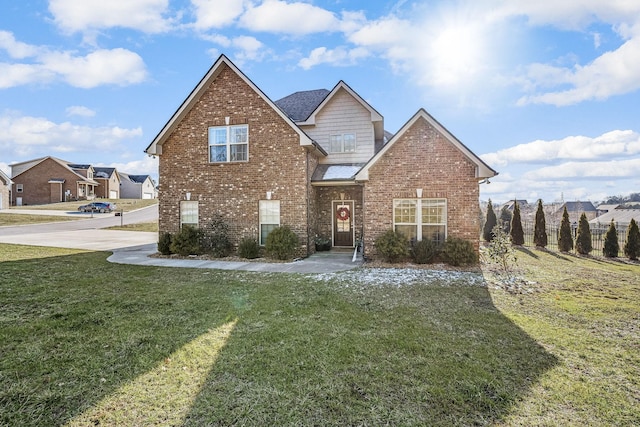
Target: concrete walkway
320, 262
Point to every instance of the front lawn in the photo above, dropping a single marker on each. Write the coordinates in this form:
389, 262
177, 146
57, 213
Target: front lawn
86, 342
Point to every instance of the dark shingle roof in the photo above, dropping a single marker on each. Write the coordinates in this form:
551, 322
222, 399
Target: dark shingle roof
299, 106
103, 172
138, 178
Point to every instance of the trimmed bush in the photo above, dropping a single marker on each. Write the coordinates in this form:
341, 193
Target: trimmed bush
611, 245
164, 244
392, 246
249, 248
632, 245
281, 243
565, 239
516, 232
489, 223
215, 238
540, 230
187, 241
583, 239
424, 251
456, 252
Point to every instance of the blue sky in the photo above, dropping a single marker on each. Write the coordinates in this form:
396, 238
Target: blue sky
546, 92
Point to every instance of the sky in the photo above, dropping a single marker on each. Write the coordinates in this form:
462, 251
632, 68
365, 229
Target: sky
546, 92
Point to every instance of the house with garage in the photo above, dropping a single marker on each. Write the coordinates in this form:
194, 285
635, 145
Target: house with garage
5, 190
108, 181
51, 180
136, 186
318, 161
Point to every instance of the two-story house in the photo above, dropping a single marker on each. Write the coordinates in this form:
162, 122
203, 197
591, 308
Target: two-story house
5, 190
108, 181
317, 161
136, 186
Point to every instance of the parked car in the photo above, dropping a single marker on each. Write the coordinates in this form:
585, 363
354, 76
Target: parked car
98, 207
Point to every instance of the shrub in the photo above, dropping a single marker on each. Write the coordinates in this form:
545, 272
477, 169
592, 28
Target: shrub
392, 246
632, 245
164, 244
505, 219
424, 251
489, 224
540, 229
516, 231
215, 237
281, 243
249, 248
583, 239
456, 251
611, 245
187, 241
500, 250
565, 239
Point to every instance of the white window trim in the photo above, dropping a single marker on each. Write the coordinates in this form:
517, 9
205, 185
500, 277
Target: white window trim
228, 143
419, 223
342, 135
19, 188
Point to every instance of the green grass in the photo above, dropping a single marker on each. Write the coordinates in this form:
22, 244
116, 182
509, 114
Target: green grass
122, 204
10, 219
140, 226
130, 345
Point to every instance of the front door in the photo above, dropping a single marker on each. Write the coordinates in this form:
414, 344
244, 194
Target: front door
343, 223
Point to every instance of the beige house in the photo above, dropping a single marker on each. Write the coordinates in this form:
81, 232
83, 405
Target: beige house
318, 161
108, 181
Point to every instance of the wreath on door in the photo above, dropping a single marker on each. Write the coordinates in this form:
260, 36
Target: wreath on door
343, 213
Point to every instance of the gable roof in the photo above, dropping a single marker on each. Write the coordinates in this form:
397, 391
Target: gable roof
577, 207
155, 148
482, 169
621, 217
101, 172
4, 178
19, 168
299, 105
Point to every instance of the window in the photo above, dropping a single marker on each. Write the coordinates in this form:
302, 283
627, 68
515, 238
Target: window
269, 218
188, 213
19, 188
229, 143
343, 143
420, 219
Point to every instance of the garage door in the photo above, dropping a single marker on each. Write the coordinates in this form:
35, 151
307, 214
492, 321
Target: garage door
147, 196
113, 194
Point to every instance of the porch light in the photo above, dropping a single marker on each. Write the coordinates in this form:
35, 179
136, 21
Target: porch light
341, 196
269, 193
187, 196
419, 193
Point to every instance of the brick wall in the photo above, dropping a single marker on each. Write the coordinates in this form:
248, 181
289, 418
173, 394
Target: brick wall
277, 163
37, 189
325, 197
422, 158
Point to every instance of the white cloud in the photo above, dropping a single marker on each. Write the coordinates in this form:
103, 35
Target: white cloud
617, 143
339, 56
86, 15
79, 110
146, 165
103, 66
216, 13
14, 48
579, 170
295, 18
23, 136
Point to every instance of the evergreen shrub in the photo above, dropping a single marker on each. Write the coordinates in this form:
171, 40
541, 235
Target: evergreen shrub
611, 246
424, 251
281, 243
249, 248
215, 238
456, 252
392, 246
187, 241
164, 243
632, 245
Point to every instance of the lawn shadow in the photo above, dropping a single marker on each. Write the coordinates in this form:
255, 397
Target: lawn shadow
415, 352
78, 328
527, 251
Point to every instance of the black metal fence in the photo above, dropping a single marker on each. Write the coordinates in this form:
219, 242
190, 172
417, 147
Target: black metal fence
598, 233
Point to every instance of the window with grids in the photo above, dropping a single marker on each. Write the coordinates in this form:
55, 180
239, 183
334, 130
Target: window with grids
342, 143
419, 219
189, 213
229, 143
269, 218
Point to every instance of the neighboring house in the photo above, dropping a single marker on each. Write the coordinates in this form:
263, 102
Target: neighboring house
318, 161
620, 216
51, 180
575, 211
109, 182
136, 186
5, 191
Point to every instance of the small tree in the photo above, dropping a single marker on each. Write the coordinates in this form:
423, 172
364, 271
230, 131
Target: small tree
500, 251
611, 245
583, 239
632, 245
215, 237
505, 219
489, 223
540, 229
565, 239
516, 233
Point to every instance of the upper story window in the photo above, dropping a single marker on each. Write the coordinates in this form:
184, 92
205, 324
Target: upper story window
229, 143
342, 143
19, 188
